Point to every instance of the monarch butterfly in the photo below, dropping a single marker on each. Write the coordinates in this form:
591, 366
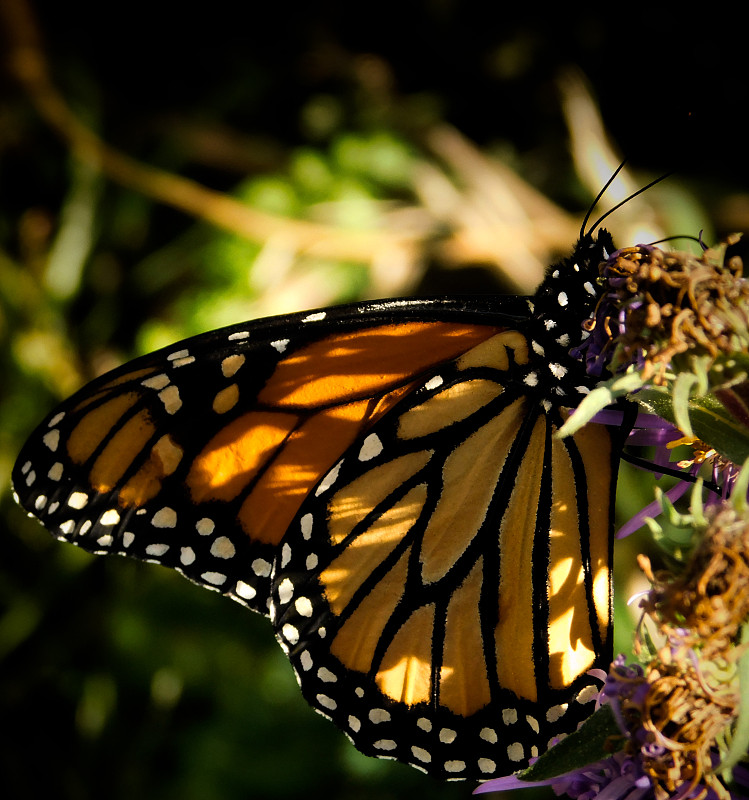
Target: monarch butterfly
383, 481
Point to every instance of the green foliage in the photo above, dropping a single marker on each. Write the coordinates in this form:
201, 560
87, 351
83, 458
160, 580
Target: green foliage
706, 418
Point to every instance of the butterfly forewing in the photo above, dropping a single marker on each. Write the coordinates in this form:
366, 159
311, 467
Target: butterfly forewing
198, 456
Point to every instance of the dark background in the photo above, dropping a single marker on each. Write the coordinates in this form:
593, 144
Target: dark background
120, 680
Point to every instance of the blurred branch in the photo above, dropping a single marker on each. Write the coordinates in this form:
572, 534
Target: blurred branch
500, 217
28, 64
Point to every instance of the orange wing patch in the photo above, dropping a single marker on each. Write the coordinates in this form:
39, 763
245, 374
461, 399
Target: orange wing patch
464, 690
345, 574
571, 649
406, 670
308, 454
514, 634
595, 448
163, 459
470, 474
92, 429
355, 642
366, 363
125, 445
237, 453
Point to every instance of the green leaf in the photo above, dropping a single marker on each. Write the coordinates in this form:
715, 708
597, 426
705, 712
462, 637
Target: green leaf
713, 424
656, 400
587, 745
740, 488
603, 395
682, 387
709, 419
669, 510
695, 505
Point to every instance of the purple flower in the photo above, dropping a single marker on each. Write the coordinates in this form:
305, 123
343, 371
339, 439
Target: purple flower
618, 777
650, 430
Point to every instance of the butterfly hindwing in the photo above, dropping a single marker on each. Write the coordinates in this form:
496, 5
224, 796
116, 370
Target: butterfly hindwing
442, 585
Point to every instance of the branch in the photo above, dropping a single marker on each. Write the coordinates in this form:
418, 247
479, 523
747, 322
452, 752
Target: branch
28, 65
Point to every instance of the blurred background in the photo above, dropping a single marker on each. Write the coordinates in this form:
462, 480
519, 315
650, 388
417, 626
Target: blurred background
166, 170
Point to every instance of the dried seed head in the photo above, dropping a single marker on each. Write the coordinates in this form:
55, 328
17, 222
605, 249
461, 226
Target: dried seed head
663, 306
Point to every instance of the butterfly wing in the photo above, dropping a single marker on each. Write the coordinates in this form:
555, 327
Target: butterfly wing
384, 482
199, 455
445, 588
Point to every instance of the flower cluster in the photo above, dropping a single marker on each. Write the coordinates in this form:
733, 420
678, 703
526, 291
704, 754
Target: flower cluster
680, 323
661, 307
678, 712
672, 332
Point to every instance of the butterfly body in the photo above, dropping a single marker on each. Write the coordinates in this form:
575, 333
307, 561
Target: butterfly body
384, 482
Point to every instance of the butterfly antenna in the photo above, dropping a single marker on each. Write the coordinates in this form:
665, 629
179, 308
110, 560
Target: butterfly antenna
681, 236
626, 199
599, 196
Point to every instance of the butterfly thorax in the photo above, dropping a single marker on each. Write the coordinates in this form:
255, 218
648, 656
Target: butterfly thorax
563, 302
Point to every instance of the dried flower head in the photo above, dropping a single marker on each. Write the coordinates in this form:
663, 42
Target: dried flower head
672, 304
711, 597
679, 710
659, 307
